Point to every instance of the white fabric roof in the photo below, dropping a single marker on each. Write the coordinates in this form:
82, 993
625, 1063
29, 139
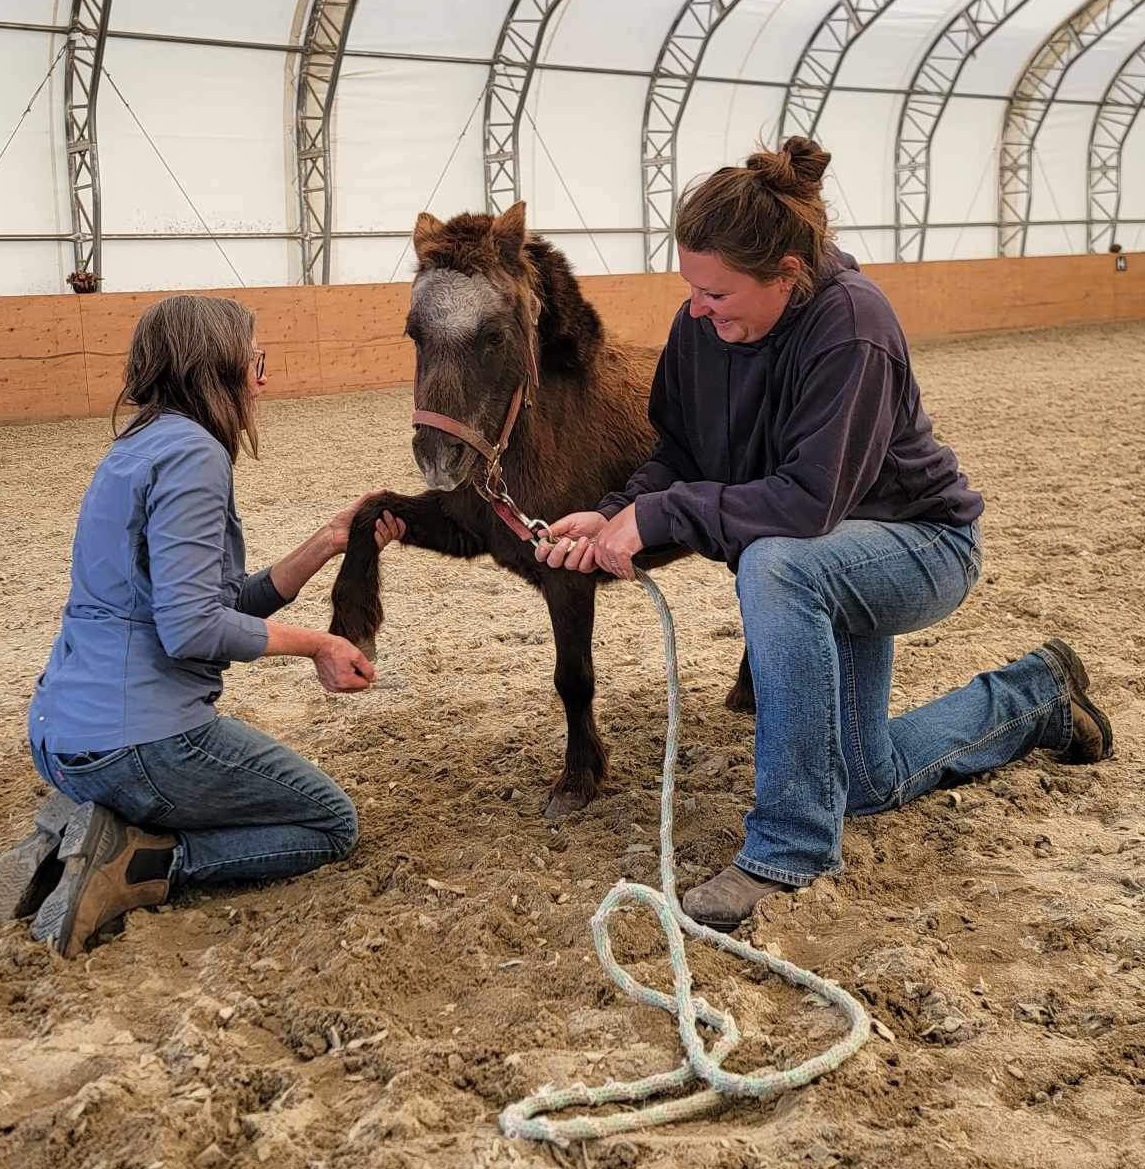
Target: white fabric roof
221, 122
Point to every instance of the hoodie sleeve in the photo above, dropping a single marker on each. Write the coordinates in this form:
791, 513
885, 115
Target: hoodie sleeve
670, 461
835, 443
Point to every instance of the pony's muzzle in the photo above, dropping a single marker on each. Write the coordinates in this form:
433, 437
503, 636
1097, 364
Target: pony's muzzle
445, 462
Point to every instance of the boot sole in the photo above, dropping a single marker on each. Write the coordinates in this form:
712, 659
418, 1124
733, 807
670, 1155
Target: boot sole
30, 869
1079, 679
88, 842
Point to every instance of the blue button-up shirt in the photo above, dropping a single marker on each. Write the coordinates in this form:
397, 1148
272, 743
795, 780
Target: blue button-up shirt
160, 602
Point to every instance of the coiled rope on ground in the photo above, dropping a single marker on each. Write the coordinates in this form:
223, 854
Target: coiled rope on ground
526, 1118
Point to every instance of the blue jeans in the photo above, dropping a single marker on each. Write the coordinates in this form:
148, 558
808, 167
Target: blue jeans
819, 617
242, 805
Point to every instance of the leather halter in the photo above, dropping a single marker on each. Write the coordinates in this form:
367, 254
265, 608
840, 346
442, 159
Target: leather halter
493, 488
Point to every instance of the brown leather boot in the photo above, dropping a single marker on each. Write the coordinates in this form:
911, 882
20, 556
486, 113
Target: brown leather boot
103, 857
728, 898
30, 869
1092, 738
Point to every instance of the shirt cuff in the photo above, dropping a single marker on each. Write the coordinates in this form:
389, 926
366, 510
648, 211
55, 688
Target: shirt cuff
652, 521
259, 597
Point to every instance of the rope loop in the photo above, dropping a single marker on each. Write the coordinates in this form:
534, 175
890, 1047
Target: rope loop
527, 1119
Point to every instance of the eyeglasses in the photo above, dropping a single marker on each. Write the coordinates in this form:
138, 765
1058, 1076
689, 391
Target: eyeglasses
259, 362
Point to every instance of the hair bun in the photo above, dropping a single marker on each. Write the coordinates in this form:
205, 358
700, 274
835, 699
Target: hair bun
795, 169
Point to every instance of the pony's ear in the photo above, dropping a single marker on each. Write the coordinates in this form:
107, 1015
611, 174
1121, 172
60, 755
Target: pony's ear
509, 230
427, 229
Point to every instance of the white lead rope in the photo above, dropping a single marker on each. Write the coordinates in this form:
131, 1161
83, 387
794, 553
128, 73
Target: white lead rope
525, 1119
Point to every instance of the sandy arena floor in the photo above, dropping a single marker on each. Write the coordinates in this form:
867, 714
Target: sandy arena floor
381, 1012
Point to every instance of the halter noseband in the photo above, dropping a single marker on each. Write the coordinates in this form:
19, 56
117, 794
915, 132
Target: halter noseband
493, 488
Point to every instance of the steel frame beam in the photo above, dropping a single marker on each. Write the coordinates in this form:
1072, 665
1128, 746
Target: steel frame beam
1120, 105
510, 74
1029, 103
931, 88
669, 88
87, 36
814, 74
319, 64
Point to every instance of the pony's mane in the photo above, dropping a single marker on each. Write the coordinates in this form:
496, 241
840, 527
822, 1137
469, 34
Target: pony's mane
571, 335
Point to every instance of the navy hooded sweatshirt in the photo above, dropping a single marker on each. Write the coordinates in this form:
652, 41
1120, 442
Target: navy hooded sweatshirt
818, 422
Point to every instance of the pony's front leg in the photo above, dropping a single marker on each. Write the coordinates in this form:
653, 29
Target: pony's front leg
356, 594
571, 599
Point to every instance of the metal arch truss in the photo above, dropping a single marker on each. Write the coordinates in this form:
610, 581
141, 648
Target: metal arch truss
668, 90
1120, 105
320, 62
87, 35
1030, 102
928, 93
820, 62
514, 62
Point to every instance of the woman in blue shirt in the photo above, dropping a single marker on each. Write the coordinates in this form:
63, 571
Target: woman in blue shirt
153, 788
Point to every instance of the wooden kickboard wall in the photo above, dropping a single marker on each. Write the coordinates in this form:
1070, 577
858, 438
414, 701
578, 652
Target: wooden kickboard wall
62, 356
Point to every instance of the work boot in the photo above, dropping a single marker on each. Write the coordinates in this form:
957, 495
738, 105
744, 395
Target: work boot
29, 870
728, 898
1092, 738
109, 868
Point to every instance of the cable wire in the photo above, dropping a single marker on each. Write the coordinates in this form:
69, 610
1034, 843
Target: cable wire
444, 171
32, 99
174, 177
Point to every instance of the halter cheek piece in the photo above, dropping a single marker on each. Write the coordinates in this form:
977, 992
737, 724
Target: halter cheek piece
493, 488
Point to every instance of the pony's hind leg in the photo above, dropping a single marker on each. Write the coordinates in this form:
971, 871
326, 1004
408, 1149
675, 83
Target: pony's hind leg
571, 599
741, 696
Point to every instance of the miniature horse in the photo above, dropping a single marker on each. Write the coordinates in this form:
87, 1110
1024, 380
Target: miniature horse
500, 326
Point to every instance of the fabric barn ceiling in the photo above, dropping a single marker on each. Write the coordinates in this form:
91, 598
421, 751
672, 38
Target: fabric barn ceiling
273, 142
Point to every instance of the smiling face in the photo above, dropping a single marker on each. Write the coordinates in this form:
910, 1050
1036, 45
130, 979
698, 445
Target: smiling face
740, 307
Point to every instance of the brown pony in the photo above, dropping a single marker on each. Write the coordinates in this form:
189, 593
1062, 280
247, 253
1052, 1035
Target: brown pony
499, 323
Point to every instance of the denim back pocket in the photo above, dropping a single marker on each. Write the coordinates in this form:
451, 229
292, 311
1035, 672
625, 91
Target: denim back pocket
117, 780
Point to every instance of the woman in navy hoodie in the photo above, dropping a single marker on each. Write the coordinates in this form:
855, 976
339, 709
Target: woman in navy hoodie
794, 447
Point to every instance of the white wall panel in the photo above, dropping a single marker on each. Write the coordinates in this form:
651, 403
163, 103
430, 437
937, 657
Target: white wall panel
33, 171
607, 35
1000, 61
1058, 179
1132, 236
134, 265
248, 20
372, 261
396, 124
860, 134
1055, 240
216, 116
964, 166
590, 126
35, 11
598, 254
889, 48
762, 39
868, 247
29, 267
961, 243
723, 124
438, 27
1087, 78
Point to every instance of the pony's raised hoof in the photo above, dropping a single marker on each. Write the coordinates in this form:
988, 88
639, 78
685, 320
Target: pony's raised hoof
563, 803
369, 647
